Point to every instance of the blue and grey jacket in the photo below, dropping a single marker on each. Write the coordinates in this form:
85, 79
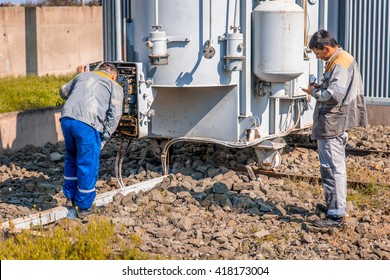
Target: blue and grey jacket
95, 99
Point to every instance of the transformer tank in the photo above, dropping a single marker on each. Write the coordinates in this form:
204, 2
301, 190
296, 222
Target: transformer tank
225, 72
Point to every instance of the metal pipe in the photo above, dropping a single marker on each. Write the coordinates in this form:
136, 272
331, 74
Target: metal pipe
386, 52
124, 39
211, 22
322, 24
236, 11
245, 76
118, 31
378, 26
156, 19
368, 58
305, 28
106, 45
364, 67
348, 20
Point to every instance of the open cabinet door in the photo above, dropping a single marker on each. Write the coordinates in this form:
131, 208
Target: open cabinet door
144, 102
137, 101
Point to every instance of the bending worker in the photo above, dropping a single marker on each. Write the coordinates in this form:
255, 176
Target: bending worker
340, 106
89, 117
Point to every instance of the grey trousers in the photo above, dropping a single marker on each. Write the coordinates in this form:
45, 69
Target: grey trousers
334, 174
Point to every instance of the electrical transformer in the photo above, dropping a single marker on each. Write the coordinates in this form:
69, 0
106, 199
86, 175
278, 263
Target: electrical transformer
225, 72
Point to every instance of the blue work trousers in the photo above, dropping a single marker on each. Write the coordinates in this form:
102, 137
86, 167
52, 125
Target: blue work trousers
334, 174
82, 151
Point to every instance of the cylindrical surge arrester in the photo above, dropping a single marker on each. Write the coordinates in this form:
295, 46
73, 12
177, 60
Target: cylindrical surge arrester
157, 44
234, 51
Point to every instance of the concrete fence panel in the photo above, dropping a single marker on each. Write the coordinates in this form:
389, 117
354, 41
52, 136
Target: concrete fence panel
33, 127
49, 40
12, 41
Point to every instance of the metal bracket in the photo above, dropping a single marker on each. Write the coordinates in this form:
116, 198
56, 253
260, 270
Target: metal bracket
171, 39
178, 39
274, 144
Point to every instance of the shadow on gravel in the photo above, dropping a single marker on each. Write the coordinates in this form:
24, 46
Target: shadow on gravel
30, 178
29, 193
219, 195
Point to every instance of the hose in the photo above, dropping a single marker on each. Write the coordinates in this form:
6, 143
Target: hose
119, 160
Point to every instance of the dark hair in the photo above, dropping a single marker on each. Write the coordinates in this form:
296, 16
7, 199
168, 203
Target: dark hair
322, 38
109, 67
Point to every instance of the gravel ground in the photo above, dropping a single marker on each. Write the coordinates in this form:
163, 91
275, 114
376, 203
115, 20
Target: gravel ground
206, 210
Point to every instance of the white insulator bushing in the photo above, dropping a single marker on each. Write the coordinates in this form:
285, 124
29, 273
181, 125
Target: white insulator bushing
158, 45
234, 51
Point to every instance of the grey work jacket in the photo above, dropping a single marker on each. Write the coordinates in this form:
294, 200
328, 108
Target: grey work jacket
340, 102
95, 99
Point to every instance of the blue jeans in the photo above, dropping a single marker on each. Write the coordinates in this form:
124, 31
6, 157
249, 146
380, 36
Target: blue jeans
334, 174
82, 152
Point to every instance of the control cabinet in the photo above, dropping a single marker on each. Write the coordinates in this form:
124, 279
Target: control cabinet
136, 113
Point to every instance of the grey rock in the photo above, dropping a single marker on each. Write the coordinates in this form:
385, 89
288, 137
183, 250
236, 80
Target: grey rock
56, 156
219, 188
261, 234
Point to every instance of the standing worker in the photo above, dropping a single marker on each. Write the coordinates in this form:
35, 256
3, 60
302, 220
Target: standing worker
89, 117
340, 106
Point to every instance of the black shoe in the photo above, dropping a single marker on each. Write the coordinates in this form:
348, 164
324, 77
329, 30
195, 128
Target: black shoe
329, 222
69, 203
321, 208
82, 213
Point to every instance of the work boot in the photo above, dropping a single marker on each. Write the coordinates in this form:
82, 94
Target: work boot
82, 213
69, 202
329, 221
321, 208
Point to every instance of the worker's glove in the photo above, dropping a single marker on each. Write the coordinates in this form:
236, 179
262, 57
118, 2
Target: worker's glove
102, 145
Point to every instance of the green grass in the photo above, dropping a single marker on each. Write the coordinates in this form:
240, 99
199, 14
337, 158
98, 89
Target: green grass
68, 241
31, 92
370, 196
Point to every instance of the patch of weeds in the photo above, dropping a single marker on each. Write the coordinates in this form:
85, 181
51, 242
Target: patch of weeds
371, 189
95, 240
362, 174
253, 229
304, 186
270, 238
371, 195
